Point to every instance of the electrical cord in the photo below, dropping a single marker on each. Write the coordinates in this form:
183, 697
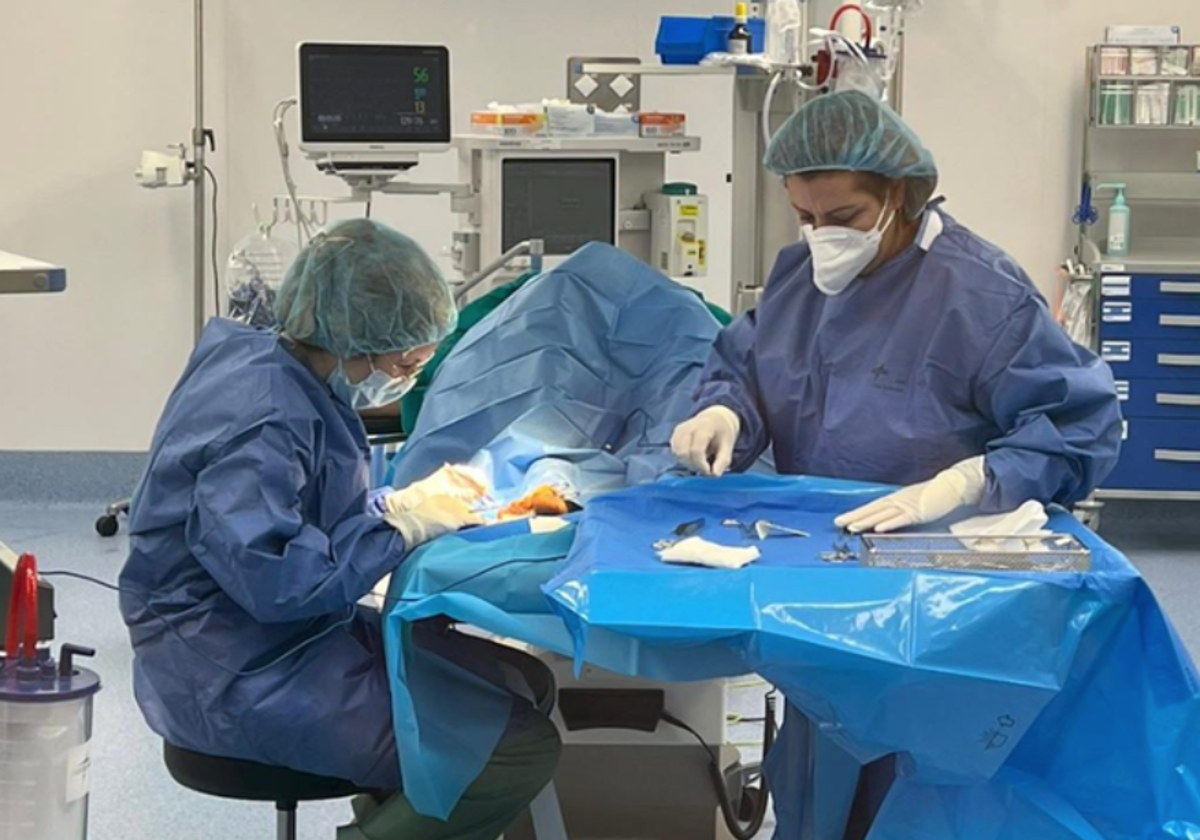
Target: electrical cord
308, 642
369, 201
738, 719
281, 109
760, 796
171, 626
670, 719
215, 230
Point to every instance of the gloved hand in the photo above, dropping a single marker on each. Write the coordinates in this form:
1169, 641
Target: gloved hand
377, 501
705, 443
431, 519
961, 485
464, 483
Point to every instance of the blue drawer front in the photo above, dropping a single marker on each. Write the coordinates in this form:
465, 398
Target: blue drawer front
1158, 455
1150, 318
1165, 399
1144, 286
1142, 358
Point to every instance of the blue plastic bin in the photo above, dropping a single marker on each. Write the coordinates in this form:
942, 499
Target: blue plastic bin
687, 40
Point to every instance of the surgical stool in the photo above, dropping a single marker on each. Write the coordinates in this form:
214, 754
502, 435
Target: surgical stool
249, 781
383, 434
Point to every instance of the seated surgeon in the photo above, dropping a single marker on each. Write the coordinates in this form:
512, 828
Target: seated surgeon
251, 543
894, 345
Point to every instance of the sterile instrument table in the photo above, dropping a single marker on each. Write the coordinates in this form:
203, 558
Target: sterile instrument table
1009, 698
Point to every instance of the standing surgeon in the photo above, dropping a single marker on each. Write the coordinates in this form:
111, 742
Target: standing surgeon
894, 345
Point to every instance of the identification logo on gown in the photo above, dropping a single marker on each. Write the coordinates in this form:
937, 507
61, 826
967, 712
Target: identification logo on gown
883, 379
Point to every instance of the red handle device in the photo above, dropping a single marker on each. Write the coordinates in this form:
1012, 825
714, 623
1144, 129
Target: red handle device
825, 64
868, 26
23, 606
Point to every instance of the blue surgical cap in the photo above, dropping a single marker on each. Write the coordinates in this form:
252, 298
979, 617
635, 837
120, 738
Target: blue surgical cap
853, 132
361, 288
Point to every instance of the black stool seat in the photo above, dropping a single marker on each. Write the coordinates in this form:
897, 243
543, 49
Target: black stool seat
249, 781
230, 778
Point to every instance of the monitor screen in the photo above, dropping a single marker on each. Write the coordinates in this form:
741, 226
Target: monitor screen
567, 202
374, 93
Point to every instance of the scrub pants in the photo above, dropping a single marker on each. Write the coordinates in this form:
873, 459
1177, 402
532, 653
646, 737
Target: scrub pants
522, 764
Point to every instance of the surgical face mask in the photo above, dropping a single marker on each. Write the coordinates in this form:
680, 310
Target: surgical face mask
840, 254
376, 391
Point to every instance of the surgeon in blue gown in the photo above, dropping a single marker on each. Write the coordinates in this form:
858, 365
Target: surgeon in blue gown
252, 539
894, 345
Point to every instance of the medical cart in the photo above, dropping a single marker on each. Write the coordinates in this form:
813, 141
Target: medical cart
1143, 132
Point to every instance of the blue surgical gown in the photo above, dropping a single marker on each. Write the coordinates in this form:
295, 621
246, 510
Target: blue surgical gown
249, 533
944, 353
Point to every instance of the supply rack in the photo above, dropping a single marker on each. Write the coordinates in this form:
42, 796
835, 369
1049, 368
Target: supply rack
1145, 87
1142, 129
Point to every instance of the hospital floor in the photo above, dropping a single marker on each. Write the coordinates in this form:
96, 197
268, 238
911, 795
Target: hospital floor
132, 795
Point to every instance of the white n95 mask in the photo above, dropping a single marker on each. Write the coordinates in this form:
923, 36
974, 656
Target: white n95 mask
840, 254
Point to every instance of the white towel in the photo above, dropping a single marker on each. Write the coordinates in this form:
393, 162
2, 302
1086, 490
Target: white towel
1029, 520
700, 552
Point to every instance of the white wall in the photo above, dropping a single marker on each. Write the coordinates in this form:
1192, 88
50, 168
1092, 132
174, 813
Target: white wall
84, 86
996, 89
993, 86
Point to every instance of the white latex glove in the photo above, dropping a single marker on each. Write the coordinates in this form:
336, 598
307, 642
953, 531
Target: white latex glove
431, 519
961, 485
705, 443
464, 483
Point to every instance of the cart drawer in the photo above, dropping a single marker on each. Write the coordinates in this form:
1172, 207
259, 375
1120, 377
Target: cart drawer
1150, 318
1144, 286
1146, 358
1158, 455
1163, 399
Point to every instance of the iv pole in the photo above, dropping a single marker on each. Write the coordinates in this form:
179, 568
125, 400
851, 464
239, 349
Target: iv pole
107, 525
179, 169
199, 137
196, 172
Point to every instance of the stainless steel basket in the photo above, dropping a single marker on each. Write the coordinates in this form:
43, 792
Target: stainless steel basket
1051, 553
